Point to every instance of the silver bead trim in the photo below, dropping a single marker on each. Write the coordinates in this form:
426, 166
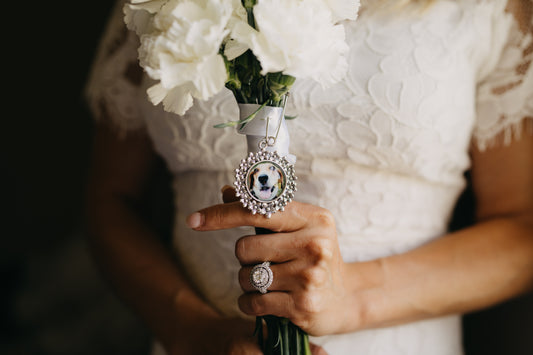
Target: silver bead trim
248, 200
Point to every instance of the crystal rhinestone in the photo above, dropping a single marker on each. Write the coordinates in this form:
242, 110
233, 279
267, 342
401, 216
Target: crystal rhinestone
260, 276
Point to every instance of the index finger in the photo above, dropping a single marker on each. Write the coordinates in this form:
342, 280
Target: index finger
233, 214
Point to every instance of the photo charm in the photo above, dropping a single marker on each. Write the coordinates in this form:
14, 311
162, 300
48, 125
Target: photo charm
265, 182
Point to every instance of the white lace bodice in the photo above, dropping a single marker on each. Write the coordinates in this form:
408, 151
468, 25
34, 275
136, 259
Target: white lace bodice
385, 150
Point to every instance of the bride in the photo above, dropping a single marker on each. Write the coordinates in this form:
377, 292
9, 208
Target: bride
363, 259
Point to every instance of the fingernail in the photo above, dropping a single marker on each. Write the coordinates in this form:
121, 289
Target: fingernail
195, 220
225, 188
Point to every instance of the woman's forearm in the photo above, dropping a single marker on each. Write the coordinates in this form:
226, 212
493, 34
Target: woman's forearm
464, 271
130, 256
141, 270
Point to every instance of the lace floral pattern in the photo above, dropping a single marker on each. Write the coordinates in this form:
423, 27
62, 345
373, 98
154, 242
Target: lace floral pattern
385, 150
112, 90
505, 95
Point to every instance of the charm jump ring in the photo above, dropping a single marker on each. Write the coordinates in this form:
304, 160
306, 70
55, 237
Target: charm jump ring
261, 277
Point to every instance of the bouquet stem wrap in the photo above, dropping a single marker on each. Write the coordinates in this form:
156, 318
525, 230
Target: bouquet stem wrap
283, 337
256, 129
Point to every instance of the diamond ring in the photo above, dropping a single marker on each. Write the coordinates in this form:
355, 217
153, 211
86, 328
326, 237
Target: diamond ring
261, 277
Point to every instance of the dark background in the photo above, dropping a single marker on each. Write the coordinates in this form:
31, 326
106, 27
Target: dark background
52, 299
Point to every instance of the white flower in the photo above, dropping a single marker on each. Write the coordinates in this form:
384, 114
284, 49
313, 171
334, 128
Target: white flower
296, 37
181, 42
138, 15
181, 49
238, 14
232, 48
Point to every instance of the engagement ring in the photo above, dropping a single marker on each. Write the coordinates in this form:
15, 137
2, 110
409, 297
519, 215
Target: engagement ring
261, 277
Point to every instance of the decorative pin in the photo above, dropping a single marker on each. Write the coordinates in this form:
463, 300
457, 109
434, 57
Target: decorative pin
265, 181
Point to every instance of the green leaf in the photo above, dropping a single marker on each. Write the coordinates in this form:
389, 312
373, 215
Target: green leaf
226, 124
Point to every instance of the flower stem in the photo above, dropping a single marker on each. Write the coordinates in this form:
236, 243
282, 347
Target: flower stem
283, 336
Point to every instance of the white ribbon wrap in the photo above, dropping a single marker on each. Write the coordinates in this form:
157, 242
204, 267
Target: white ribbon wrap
255, 130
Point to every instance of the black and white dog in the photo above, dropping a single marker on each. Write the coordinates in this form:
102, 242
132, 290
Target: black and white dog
266, 181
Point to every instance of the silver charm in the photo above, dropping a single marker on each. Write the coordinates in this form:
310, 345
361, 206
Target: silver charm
265, 182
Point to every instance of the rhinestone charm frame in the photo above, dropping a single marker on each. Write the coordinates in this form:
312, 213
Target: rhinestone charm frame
245, 189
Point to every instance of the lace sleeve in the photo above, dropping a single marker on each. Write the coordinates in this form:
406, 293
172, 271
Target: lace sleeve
113, 88
505, 95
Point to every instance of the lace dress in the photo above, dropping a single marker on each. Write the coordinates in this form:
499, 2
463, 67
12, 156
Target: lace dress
385, 150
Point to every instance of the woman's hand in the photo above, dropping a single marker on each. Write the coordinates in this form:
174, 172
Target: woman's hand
309, 284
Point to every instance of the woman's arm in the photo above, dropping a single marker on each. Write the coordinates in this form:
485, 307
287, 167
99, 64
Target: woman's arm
135, 262
473, 268
464, 271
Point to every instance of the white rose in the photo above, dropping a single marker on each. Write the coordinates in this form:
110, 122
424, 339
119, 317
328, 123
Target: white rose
181, 50
296, 37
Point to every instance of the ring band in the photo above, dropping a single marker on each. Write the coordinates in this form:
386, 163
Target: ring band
261, 277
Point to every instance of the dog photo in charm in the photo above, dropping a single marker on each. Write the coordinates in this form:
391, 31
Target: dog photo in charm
266, 181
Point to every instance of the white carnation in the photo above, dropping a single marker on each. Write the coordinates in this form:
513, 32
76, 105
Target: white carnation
296, 37
181, 42
138, 15
181, 49
232, 48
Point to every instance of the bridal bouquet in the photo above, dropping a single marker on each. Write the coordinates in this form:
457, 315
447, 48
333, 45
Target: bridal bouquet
194, 49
